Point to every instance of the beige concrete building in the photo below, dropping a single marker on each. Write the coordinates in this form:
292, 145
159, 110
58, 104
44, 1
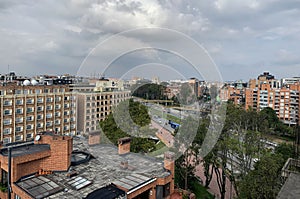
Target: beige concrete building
26, 109
95, 101
95, 107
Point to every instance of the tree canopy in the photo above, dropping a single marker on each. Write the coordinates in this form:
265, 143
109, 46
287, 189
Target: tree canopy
138, 115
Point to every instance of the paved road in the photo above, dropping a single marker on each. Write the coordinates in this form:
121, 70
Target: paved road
163, 133
213, 187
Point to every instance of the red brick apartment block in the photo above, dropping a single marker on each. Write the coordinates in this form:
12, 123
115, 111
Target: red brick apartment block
48, 153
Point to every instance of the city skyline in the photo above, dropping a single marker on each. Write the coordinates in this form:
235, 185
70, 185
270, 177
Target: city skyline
243, 38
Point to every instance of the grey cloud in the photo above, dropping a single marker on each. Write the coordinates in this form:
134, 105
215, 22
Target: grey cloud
245, 36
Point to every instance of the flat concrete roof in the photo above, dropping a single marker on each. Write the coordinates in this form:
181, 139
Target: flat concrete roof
108, 167
291, 188
25, 149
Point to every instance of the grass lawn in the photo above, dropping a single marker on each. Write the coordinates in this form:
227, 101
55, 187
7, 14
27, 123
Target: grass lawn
279, 139
161, 148
201, 192
173, 118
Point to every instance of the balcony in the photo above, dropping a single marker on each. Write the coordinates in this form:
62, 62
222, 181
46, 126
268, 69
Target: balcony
7, 103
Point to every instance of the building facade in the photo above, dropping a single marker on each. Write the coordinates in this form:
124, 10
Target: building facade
26, 109
95, 100
95, 107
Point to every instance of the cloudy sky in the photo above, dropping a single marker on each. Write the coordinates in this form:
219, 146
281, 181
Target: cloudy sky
242, 37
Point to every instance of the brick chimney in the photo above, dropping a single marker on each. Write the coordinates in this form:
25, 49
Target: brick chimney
94, 137
124, 145
169, 164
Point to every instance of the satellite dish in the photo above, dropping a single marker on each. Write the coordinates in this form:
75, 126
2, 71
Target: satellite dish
37, 138
34, 82
26, 82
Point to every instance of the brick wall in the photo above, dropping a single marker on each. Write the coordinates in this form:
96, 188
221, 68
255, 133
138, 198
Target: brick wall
124, 145
61, 150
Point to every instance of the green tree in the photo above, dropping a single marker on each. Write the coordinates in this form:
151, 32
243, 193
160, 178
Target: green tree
149, 91
264, 181
135, 123
185, 165
285, 150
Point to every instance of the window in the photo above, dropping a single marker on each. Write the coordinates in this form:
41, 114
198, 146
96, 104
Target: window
19, 128
48, 124
57, 122
57, 99
29, 127
19, 120
17, 197
7, 112
57, 106
26, 91
49, 99
39, 125
19, 101
39, 117
66, 105
30, 118
40, 100
66, 128
66, 120
57, 114
66, 113
19, 138
49, 115
7, 122
29, 136
66, 98
6, 141
38, 91
30, 110
40, 108
29, 101
7, 131
18, 92
7, 103
49, 107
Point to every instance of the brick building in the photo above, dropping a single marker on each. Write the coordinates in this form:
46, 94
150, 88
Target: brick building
64, 167
266, 91
28, 107
285, 101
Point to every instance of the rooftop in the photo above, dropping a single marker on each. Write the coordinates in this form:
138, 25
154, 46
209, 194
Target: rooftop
107, 167
25, 149
291, 188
